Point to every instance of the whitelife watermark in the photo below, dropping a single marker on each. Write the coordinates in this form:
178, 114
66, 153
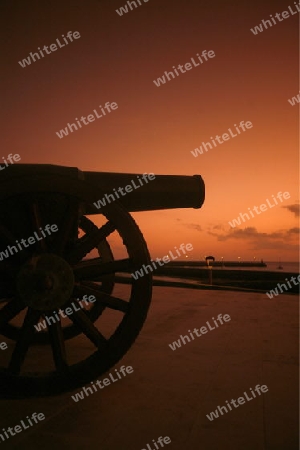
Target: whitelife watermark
241, 401
263, 207
226, 136
11, 158
124, 9
53, 48
128, 188
31, 240
294, 100
68, 312
161, 441
147, 267
188, 66
73, 127
24, 425
106, 382
3, 346
284, 14
273, 293
202, 330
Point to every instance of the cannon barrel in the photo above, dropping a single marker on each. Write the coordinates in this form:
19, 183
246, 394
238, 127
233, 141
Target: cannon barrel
162, 192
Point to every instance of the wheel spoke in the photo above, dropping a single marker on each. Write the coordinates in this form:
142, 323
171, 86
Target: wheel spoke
89, 241
108, 300
10, 310
58, 346
8, 274
81, 319
95, 268
37, 224
67, 227
25, 338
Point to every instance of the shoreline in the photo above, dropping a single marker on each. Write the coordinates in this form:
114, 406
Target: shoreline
235, 280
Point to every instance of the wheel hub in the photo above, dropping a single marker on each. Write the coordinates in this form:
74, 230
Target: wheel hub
45, 282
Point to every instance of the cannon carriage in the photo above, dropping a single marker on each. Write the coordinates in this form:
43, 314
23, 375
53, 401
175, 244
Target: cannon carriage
70, 257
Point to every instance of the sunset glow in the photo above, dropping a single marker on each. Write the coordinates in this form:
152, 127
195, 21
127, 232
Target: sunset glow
155, 129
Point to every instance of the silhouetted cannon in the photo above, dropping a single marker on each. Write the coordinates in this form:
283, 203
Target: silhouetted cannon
57, 269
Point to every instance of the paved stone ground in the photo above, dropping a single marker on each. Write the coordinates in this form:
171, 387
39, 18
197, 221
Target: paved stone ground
170, 392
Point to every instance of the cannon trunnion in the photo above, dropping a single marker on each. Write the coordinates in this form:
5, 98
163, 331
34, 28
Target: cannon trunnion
59, 256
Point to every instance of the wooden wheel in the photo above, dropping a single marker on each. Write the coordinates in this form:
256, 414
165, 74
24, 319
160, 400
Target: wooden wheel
106, 284
48, 276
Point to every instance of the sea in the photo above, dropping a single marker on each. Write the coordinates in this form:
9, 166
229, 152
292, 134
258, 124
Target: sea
291, 267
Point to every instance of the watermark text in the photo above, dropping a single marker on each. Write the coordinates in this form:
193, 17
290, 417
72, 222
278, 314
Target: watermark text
90, 118
187, 66
241, 400
161, 261
124, 9
53, 47
225, 136
202, 330
86, 391
128, 188
265, 24
258, 209
273, 293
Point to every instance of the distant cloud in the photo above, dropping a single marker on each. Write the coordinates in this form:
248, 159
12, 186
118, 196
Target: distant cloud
294, 230
194, 226
246, 233
219, 227
295, 209
277, 240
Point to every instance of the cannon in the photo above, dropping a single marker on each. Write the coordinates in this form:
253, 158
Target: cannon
60, 253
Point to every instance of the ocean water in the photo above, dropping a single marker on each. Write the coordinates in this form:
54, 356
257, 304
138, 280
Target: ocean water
292, 267
287, 267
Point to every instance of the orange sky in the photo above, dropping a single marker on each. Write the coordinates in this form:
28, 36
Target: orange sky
154, 128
